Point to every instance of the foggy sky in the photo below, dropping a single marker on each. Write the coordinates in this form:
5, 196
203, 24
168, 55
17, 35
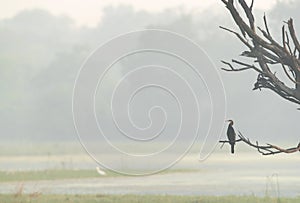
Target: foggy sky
40, 55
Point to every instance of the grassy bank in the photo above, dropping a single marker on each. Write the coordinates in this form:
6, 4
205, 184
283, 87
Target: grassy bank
40, 198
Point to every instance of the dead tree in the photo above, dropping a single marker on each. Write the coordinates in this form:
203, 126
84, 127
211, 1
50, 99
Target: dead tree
265, 53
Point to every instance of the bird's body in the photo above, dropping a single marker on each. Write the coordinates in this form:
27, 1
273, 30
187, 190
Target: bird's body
231, 135
101, 172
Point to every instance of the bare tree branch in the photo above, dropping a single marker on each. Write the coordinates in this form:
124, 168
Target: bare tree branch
293, 34
239, 36
288, 75
268, 149
266, 51
247, 66
266, 24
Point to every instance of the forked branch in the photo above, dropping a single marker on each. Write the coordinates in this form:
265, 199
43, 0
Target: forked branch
268, 149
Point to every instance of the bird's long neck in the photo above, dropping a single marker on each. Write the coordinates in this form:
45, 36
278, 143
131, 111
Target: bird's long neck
230, 127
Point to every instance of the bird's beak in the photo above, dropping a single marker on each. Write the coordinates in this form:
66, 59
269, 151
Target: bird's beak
227, 120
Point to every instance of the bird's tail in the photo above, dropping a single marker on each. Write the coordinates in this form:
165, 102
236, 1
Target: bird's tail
232, 148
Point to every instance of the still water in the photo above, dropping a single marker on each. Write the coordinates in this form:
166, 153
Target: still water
244, 173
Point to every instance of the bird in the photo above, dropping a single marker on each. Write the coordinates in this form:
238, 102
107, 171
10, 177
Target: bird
231, 135
101, 172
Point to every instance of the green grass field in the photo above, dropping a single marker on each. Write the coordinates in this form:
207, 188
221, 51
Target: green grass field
40, 198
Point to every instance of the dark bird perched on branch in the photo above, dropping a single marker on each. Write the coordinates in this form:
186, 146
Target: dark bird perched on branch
231, 135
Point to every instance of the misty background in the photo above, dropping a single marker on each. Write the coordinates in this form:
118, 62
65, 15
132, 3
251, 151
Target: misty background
41, 53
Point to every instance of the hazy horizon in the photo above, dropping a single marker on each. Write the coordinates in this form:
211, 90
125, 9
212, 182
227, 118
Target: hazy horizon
42, 53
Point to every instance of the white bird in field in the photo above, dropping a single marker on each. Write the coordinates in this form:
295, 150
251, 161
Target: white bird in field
101, 172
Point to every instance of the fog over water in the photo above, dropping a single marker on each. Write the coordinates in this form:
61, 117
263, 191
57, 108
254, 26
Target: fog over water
44, 46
